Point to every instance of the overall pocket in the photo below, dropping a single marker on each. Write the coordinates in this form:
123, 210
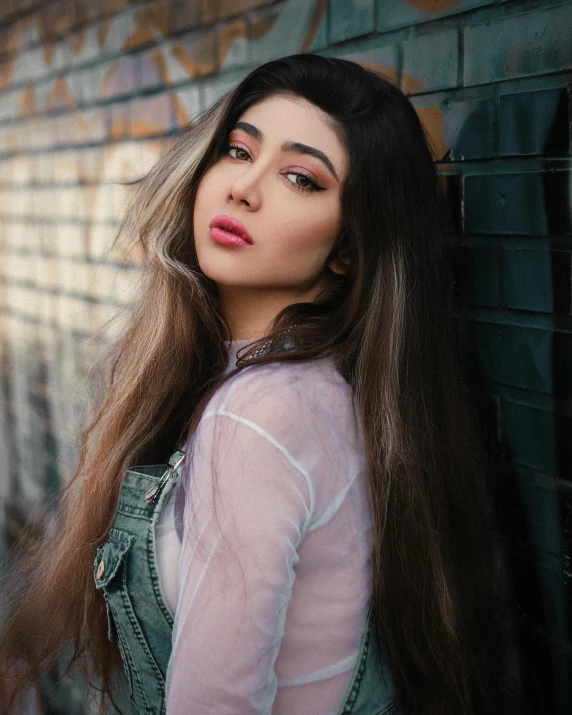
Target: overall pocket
111, 572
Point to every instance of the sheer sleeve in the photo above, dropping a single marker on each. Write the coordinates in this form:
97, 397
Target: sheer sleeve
248, 503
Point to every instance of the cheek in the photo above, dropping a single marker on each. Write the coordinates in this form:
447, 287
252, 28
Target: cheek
312, 234
201, 199
209, 188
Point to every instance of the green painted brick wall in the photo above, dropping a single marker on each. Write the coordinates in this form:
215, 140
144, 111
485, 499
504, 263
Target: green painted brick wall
90, 92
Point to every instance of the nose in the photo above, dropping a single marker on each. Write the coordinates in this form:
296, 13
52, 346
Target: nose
246, 186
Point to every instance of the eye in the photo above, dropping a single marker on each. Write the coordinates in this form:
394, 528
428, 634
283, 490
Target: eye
238, 150
309, 184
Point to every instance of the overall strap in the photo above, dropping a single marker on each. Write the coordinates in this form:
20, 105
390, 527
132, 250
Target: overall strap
175, 464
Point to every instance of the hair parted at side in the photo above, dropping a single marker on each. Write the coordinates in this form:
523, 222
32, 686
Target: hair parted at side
387, 324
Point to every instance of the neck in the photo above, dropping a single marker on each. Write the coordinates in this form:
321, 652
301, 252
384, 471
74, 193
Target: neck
250, 312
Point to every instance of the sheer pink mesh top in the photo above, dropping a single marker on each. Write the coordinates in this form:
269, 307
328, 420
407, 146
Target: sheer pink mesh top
270, 584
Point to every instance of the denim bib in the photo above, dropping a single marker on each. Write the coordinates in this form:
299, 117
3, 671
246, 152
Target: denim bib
125, 569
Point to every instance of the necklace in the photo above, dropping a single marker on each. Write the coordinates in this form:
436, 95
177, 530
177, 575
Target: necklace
267, 344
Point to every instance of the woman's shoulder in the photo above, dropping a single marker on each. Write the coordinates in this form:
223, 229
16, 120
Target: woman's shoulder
313, 386
306, 408
303, 411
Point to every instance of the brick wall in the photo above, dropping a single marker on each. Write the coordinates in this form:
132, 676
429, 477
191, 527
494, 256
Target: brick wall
91, 91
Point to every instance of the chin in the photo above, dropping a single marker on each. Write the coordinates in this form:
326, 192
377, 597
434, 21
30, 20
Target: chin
223, 277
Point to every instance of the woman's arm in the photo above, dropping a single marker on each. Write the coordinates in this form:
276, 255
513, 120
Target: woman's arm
247, 506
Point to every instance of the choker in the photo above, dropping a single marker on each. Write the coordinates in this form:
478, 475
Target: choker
265, 347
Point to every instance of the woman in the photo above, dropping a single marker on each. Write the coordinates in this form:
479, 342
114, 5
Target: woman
323, 546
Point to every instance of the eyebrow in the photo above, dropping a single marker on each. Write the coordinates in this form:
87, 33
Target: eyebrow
296, 147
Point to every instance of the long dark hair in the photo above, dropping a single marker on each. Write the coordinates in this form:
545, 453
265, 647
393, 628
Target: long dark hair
386, 323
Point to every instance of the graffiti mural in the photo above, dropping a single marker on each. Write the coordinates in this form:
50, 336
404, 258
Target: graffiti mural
91, 93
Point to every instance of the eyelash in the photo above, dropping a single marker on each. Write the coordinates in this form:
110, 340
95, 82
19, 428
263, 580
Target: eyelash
311, 188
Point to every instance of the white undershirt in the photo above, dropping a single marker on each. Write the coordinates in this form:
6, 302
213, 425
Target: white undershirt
270, 600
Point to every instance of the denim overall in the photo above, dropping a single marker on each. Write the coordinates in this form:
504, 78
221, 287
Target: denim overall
141, 623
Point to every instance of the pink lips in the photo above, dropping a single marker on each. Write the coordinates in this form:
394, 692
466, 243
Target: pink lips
229, 231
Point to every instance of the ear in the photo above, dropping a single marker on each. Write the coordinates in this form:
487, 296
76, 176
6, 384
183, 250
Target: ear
340, 263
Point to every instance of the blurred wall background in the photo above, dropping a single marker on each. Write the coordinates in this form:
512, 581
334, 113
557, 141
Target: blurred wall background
91, 91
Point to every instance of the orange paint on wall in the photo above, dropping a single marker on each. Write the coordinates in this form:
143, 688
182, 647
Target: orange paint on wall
260, 27
27, 102
85, 11
196, 55
151, 115
227, 36
78, 126
53, 20
117, 5
12, 37
227, 8
434, 125
158, 60
181, 117
387, 72
61, 96
77, 40
119, 121
319, 12
103, 31
151, 24
431, 118
48, 49
107, 80
433, 5
6, 73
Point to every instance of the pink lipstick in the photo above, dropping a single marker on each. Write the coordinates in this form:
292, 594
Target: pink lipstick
229, 231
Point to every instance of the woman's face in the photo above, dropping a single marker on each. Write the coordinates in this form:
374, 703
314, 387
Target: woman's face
280, 176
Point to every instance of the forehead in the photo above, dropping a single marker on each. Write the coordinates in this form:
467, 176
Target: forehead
287, 117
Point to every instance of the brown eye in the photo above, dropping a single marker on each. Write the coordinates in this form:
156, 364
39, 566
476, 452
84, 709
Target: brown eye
238, 149
307, 185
